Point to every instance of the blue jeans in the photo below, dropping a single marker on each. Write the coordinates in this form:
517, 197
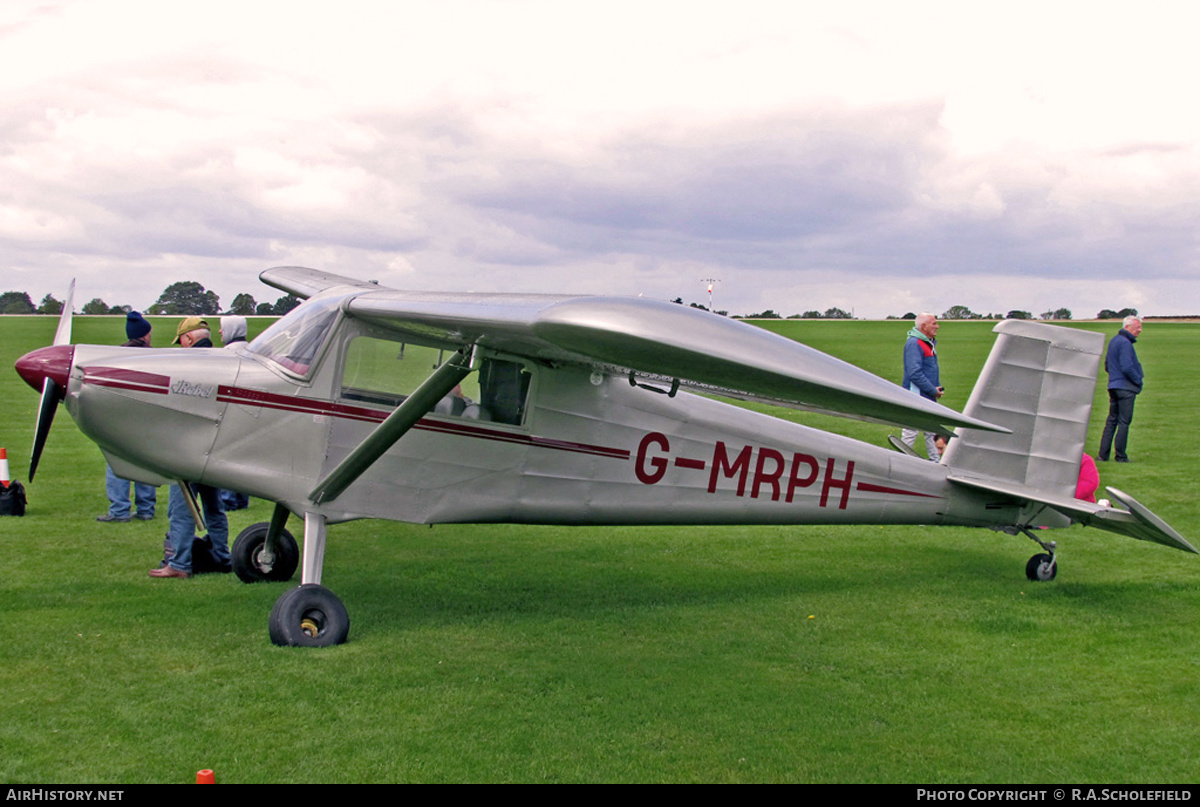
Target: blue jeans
146, 496
183, 527
1120, 415
232, 500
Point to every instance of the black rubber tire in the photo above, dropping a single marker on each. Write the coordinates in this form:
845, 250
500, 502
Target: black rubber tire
309, 616
1041, 568
246, 551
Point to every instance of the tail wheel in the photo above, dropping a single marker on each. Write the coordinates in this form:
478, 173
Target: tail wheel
1041, 567
309, 616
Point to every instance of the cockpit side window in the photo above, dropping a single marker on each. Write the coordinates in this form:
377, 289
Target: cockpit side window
382, 371
295, 341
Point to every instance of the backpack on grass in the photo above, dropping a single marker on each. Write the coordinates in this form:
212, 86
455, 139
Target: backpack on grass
12, 499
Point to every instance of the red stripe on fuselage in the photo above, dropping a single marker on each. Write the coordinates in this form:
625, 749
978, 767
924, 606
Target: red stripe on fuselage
867, 486
288, 403
120, 378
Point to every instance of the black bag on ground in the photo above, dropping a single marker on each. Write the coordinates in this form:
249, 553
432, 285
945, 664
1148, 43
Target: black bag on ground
202, 557
12, 499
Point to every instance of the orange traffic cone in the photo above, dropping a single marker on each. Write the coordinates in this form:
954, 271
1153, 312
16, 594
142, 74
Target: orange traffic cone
206, 777
4, 477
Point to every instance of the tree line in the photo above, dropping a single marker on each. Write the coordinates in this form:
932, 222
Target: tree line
829, 313
185, 298
953, 312
962, 312
959, 312
188, 298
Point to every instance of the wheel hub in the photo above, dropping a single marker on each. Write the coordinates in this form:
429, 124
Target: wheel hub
312, 623
263, 565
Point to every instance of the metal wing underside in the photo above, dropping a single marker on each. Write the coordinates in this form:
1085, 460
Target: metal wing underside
663, 340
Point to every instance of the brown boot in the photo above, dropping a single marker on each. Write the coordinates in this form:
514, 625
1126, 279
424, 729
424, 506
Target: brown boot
168, 571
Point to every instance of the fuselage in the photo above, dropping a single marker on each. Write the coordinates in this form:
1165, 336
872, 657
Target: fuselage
587, 448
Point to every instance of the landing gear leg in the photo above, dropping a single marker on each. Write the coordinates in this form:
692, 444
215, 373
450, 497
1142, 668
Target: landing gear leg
1042, 566
311, 615
314, 548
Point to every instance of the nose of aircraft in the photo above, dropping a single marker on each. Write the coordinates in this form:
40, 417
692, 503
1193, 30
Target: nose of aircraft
47, 362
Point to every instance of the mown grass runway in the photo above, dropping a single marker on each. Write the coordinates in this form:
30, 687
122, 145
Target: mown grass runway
542, 654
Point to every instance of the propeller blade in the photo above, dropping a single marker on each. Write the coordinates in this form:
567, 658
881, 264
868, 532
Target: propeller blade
44, 363
62, 336
46, 410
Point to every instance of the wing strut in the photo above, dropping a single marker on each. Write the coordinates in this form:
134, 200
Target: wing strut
415, 406
189, 496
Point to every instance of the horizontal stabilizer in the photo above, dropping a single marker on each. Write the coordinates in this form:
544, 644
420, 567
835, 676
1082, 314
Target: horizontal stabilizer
303, 282
1149, 527
1136, 522
903, 447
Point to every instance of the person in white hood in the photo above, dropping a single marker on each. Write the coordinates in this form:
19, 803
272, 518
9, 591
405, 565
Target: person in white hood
233, 331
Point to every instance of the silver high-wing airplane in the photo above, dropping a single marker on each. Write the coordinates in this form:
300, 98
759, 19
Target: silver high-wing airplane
366, 402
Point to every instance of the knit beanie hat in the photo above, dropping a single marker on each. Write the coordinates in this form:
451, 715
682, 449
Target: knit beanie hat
136, 325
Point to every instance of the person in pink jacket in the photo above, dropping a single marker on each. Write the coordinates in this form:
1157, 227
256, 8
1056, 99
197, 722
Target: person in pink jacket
1089, 480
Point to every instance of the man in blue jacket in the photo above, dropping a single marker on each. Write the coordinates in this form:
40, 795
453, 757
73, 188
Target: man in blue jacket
145, 496
1124, 383
921, 374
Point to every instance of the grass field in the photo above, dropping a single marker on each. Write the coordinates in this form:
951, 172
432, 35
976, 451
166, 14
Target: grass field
519, 654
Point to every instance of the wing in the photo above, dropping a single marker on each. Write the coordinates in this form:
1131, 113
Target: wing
663, 340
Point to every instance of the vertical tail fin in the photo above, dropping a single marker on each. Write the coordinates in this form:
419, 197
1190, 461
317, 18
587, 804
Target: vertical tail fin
1039, 381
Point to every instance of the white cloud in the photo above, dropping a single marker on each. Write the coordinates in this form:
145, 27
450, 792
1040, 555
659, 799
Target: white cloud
800, 150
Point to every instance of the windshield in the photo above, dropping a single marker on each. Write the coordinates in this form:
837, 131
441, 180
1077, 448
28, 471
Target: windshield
294, 341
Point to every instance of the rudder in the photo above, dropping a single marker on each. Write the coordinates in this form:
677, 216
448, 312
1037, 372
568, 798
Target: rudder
1039, 381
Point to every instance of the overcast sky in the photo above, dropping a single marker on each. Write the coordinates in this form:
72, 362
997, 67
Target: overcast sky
882, 157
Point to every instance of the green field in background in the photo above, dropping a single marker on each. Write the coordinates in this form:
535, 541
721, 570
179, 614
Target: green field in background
656, 654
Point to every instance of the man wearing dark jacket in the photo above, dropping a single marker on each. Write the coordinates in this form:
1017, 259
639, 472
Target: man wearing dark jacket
137, 331
1124, 383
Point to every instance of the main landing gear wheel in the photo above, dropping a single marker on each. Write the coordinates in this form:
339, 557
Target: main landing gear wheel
1041, 567
251, 562
309, 616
